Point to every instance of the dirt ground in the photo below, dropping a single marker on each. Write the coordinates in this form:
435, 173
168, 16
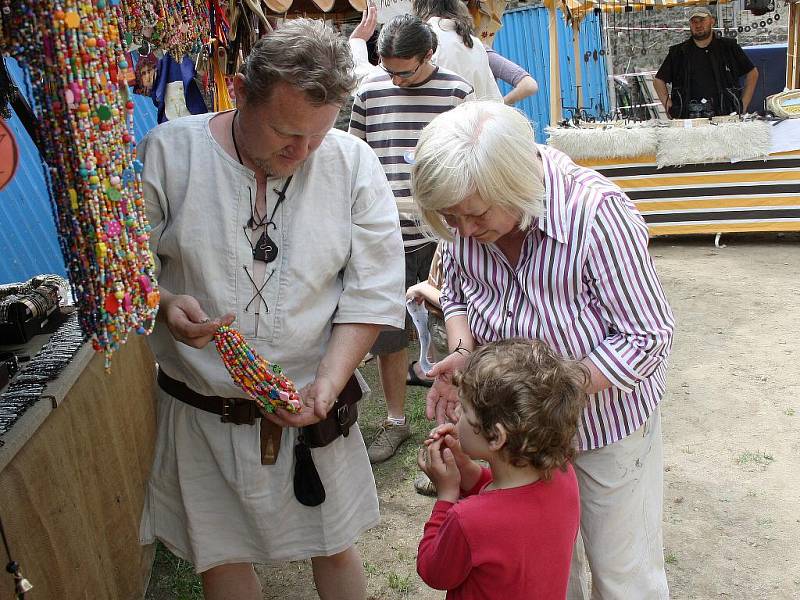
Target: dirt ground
731, 421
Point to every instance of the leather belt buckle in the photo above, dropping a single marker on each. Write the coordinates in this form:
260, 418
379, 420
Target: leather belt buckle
227, 405
238, 411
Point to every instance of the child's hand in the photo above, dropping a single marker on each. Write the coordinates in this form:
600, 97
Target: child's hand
447, 434
438, 463
440, 431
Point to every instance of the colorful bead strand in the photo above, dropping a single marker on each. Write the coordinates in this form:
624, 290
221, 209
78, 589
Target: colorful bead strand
175, 26
263, 381
75, 56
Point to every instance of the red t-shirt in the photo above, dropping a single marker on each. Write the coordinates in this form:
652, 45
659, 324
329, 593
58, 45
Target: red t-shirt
507, 544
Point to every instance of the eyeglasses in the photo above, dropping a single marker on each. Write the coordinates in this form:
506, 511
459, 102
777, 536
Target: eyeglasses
401, 74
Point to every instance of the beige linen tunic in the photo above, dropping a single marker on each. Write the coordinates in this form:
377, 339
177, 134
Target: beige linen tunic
339, 261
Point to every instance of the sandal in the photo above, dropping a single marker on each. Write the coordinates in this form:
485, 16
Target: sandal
413, 378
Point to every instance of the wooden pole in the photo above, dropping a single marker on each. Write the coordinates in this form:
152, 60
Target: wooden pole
793, 48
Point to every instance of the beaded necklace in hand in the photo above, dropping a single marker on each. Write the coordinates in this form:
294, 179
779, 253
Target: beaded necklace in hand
263, 381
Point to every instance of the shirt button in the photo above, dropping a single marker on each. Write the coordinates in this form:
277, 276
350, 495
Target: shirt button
510, 313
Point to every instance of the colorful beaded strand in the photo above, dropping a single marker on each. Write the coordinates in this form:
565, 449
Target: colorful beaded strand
76, 59
263, 381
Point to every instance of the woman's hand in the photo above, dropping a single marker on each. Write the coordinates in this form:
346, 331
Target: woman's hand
438, 463
187, 322
415, 292
442, 399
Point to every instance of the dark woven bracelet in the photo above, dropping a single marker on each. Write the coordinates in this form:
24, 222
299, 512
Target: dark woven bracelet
461, 349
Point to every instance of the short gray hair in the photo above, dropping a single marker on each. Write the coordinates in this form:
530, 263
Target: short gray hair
481, 147
305, 53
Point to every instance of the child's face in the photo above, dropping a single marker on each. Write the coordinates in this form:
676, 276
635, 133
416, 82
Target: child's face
472, 443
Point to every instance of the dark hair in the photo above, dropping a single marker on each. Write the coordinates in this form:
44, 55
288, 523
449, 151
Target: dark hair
536, 395
305, 53
447, 9
406, 36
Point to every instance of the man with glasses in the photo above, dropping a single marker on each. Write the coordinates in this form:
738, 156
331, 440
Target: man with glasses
391, 107
266, 215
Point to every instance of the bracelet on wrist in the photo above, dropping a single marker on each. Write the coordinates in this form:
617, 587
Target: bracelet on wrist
461, 349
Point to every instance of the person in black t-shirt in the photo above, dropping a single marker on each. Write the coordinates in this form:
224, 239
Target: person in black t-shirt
705, 73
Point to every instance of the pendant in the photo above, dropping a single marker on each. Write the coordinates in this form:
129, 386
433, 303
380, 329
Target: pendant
265, 249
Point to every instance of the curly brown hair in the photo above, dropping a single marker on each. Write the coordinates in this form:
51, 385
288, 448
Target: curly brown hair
536, 395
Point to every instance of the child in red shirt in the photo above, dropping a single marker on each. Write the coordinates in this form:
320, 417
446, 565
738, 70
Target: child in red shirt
511, 533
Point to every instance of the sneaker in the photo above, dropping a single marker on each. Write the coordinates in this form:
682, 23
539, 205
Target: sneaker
387, 441
424, 485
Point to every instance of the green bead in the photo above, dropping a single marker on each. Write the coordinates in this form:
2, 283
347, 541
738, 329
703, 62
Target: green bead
103, 112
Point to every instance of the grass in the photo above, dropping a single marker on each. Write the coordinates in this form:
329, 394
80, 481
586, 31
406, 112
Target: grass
789, 412
758, 457
671, 559
398, 583
173, 578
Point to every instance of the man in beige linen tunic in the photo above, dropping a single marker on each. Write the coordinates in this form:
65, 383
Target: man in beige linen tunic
336, 280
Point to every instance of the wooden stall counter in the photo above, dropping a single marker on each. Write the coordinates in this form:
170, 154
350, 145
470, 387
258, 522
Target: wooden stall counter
73, 470
705, 179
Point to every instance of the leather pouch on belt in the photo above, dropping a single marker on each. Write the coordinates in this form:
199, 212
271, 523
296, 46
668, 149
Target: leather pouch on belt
340, 418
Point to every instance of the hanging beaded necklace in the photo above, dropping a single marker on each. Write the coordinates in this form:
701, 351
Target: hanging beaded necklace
175, 26
75, 55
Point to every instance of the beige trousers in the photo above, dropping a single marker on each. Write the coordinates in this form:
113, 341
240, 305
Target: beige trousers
622, 493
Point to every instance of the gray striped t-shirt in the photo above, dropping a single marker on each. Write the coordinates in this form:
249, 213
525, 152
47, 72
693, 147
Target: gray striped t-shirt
390, 119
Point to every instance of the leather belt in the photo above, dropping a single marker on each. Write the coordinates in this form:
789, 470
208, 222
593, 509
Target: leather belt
242, 411
239, 411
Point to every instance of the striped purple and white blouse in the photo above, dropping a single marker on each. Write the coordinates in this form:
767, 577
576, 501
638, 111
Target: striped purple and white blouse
585, 284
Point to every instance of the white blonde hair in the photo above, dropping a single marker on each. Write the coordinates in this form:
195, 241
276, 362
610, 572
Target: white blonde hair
486, 148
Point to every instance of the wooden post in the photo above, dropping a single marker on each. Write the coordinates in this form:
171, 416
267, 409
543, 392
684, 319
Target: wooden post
793, 48
555, 75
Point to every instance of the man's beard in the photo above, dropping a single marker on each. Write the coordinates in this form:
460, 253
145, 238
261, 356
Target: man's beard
267, 167
701, 37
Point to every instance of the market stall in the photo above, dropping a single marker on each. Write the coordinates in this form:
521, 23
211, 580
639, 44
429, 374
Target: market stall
702, 179
74, 459
725, 174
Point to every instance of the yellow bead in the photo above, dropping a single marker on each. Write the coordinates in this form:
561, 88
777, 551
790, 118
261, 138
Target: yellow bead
72, 19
